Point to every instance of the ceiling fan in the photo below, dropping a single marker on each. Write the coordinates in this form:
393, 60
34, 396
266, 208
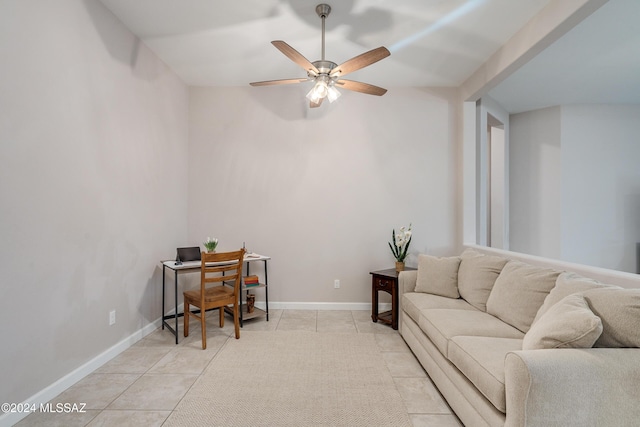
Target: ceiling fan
327, 75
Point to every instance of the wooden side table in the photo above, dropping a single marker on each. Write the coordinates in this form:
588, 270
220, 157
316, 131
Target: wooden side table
387, 281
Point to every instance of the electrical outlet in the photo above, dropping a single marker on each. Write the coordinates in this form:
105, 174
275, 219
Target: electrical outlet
336, 284
112, 317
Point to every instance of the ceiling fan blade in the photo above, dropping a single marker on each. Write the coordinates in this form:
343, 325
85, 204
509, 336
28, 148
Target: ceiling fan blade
278, 82
361, 87
295, 56
360, 61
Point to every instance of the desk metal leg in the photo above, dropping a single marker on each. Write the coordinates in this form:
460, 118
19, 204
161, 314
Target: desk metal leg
240, 300
176, 312
163, 273
266, 290
175, 315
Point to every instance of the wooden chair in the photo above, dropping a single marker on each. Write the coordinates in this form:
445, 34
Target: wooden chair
218, 296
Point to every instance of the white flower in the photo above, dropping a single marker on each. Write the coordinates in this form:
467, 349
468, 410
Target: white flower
401, 241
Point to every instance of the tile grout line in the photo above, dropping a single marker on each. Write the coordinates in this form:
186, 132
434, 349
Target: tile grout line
226, 342
140, 375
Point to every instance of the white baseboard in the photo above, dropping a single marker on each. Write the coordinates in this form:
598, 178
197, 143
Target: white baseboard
322, 306
278, 305
48, 393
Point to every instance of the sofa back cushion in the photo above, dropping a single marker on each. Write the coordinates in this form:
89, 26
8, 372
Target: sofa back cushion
568, 324
477, 275
568, 283
438, 276
519, 292
619, 310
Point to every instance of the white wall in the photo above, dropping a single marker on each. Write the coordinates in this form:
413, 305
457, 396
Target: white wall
575, 184
320, 190
601, 185
535, 189
93, 172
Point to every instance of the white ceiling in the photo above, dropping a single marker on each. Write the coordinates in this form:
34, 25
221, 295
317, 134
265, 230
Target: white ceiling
227, 43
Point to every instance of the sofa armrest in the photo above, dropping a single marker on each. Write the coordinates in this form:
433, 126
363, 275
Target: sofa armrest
407, 281
573, 387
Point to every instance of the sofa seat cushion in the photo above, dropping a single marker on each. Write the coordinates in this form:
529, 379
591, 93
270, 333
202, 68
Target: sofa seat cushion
481, 360
441, 325
413, 302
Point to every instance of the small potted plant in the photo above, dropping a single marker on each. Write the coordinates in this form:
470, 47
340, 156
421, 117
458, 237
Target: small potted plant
211, 244
400, 246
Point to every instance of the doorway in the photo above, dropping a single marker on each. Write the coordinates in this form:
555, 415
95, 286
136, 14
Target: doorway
492, 174
496, 183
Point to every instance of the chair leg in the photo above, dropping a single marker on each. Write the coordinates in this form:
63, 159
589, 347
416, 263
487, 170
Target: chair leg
204, 331
186, 319
221, 310
236, 320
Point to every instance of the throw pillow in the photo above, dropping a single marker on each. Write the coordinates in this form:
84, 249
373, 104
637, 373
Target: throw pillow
567, 284
619, 310
477, 275
438, 276
518, 293
568, 324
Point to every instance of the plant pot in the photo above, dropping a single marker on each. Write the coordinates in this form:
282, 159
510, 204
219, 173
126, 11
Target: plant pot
399, 266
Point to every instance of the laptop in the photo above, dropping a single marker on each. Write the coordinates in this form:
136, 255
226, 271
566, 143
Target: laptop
188, 254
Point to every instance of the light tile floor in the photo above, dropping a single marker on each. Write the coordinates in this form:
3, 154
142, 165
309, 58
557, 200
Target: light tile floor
142, 385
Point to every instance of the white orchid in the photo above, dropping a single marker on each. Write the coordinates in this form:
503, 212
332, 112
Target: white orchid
401, 240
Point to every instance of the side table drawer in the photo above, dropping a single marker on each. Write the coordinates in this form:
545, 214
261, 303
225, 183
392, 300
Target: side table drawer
383, 284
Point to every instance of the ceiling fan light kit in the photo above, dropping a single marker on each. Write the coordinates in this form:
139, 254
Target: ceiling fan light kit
326, 75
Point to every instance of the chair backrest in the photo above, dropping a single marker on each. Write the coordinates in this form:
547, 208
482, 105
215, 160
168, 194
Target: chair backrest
221, 267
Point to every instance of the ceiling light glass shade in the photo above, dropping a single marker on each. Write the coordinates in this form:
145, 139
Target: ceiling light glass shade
333, 94
318, 91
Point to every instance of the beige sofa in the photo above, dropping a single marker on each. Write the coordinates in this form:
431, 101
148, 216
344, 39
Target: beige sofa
511, 343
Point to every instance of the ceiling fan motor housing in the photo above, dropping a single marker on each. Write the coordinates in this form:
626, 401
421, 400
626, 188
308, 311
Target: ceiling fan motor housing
324, 67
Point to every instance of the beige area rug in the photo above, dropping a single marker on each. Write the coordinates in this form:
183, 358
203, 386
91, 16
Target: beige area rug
294, 379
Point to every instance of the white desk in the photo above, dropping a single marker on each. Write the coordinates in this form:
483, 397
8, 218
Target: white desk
195, 265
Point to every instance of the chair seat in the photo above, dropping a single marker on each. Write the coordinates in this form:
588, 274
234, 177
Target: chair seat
211, 294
